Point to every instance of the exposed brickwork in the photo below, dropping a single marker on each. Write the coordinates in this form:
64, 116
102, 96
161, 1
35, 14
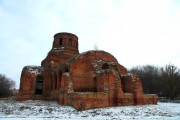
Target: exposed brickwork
88, 80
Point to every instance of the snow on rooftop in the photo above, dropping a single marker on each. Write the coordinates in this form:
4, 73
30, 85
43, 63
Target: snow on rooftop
34, 69
83, 53
104, 71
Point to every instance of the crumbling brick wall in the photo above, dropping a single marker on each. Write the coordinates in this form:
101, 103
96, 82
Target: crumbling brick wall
88, 80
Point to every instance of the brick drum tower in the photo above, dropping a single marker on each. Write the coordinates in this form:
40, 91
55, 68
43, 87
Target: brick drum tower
65, 46
88, 80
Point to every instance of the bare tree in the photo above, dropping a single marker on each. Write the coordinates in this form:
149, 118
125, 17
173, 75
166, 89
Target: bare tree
6, 86
164, 81
171, 76
150, 77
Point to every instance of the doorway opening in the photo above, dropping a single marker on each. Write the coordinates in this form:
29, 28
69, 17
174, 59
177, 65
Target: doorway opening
39, 85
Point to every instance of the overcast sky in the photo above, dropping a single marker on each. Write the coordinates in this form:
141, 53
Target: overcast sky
136, 32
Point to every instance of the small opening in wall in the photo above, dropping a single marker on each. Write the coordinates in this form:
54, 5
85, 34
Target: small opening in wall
66, 70
60, 41
105, 66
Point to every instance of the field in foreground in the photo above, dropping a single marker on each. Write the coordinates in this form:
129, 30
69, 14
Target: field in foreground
45, 110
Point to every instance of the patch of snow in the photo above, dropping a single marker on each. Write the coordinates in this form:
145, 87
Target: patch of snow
103, 71
28, 110
98, 60
58, 48
95, 65
34, 69
66, 73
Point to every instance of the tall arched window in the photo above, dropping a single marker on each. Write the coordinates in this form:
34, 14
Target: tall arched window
39, 85
60, 41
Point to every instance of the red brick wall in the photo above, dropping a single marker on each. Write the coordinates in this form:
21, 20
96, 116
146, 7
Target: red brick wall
83, 70
27, 85
88, 80
82, 76
83, 101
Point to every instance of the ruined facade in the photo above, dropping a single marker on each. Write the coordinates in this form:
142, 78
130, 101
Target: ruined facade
83, 80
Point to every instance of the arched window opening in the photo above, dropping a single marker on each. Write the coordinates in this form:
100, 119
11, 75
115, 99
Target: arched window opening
66, 69
70, 42
39, 85
60, 41
105, 66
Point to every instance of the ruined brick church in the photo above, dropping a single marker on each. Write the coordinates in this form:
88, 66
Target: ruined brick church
83, 80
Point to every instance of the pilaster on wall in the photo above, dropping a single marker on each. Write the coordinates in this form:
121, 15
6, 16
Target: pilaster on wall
65, 89
64, 83
27, 84
88, 100
132, 84
110, 82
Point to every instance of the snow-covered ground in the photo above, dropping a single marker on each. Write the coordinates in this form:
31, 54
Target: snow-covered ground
45, 110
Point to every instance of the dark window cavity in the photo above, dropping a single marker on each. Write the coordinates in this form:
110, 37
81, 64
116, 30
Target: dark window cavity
39, 85
60, 41
105, 66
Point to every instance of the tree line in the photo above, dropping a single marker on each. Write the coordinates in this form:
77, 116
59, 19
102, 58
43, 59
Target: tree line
7, 86
163, 81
